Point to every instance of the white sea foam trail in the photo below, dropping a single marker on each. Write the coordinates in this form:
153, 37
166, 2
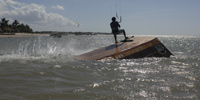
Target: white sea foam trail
47, 47
36, 47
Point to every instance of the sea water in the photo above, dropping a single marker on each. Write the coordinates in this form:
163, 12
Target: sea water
44, 68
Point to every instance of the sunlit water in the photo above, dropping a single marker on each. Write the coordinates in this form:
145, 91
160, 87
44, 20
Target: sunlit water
43, 68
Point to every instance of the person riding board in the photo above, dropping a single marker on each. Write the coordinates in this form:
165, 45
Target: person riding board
115, 29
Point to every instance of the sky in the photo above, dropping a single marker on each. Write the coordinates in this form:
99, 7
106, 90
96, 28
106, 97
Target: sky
139, 17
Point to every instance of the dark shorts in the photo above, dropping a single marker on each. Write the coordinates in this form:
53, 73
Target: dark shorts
119, 32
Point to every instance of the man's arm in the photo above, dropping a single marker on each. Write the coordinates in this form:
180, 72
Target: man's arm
118, 25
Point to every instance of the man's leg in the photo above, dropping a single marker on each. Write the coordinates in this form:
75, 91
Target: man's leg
124, 34
115, 36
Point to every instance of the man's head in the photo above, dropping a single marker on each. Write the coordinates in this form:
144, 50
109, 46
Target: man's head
113, 19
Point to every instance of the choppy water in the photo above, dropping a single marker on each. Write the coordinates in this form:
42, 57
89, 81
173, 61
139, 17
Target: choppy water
43, 68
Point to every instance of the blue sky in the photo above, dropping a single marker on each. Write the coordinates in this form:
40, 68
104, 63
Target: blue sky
139, 17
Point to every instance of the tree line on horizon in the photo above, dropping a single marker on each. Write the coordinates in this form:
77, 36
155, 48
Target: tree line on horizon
15, 27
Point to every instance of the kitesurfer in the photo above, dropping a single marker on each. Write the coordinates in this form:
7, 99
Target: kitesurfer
116, 29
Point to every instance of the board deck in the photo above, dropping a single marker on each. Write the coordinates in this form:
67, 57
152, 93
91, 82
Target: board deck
135, 47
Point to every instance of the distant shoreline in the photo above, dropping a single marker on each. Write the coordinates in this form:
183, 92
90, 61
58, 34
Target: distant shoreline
22, 35
49, 33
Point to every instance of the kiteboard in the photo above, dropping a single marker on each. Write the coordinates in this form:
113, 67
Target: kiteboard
132, 48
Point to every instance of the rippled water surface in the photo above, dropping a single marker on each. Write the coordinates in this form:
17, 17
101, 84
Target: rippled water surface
43, 68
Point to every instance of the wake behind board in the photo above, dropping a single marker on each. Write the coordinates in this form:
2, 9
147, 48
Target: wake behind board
137, 47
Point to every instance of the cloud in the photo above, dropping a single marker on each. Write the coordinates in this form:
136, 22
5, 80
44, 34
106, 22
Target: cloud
11, 2
58, 7
35, 15
2, 5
